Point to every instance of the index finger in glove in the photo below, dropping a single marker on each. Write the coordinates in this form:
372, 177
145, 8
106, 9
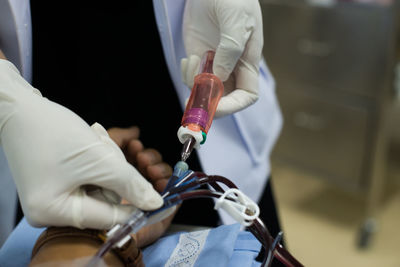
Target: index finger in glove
237, 21
127, 182
117, 175
90, 212
245, 94
189, 69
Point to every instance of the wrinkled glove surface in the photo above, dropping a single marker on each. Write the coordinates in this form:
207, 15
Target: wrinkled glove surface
233, 28
66, 172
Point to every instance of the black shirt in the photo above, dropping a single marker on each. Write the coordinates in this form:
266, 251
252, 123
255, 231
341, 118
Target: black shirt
105, 62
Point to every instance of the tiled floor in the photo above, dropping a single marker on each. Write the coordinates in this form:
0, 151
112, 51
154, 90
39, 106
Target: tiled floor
321, 222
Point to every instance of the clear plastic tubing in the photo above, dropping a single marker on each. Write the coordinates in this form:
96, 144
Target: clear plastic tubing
206, 93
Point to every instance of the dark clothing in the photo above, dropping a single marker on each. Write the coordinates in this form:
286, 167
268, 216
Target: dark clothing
269, 215
106, 64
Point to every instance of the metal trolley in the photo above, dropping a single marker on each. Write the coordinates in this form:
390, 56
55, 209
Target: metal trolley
333, 67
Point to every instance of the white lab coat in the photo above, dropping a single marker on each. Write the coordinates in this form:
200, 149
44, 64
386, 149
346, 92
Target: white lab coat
238, 146
15, 41
16, 34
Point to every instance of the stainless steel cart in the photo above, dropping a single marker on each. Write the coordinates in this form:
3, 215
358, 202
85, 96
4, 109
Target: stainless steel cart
334, 70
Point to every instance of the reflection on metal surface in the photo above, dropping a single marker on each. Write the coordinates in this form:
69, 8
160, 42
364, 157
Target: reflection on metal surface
331, 66
315, 48
334, 74
309, 121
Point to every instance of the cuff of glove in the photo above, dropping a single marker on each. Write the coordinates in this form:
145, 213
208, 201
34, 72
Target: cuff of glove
7, 65
67, 244
11, 81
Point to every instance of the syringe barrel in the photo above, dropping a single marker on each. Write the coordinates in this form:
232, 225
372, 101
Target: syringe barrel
204, 98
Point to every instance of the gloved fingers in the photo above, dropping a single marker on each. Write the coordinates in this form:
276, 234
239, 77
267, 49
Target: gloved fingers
102, 134
10, 78
184, 63
128, 183
123, 179
91, 212
245, 94
7, 69
236, 27
234, 102
102, 194
189, 69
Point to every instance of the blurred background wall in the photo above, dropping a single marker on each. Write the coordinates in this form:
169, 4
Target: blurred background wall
336, 165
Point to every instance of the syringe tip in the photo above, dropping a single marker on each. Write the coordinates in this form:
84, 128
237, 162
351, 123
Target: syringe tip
184, 156
187, 148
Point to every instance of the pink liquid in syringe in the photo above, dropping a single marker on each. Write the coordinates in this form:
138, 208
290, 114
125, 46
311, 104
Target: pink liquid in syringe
204, 98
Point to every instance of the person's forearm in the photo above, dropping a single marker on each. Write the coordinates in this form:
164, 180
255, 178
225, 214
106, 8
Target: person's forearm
2, 56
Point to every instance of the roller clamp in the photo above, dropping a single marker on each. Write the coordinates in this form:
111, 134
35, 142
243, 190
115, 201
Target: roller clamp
239, 206
184, 133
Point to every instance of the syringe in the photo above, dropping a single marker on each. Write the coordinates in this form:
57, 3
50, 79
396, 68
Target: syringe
200, 109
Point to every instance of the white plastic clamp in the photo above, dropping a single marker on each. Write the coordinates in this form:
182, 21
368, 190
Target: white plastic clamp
185, 133
239, 206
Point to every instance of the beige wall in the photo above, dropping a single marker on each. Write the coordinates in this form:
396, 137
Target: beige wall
395, 123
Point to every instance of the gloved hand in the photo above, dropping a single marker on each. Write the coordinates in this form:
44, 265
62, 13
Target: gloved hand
149, 162
233, 28
56, 160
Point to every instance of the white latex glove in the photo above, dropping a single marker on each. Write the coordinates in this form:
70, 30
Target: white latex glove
53, 155
233, 28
